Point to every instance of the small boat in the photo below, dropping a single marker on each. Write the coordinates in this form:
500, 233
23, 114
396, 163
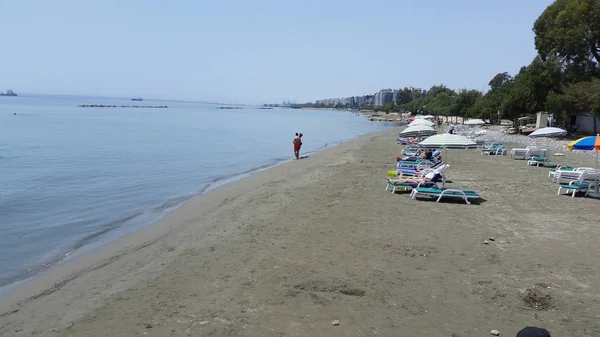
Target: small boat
139, 99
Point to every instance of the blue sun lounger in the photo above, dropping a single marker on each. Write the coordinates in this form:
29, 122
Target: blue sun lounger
417, 162
440, 193
414, 170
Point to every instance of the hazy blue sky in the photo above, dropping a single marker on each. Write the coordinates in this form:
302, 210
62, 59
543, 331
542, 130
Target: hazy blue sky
259, 50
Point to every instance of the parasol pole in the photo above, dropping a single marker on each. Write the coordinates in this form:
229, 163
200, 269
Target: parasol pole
445, 162
547, 149
596, 173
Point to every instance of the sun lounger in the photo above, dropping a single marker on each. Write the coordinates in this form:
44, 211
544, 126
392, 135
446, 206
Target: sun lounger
445, 193
497, 150
529, 151
574, 187
552, 173
579, 175
406, 185
409, 150
415, 170
537, 161
418, 162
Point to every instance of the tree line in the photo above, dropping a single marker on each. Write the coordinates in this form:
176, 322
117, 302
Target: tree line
564, 78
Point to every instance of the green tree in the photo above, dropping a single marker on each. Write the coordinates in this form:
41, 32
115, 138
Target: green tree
404, 96
438, 89
388, 107
586, 97
499, 81
569, 29
464, 101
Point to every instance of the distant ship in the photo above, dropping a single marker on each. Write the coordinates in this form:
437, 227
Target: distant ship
139, 99
8, 93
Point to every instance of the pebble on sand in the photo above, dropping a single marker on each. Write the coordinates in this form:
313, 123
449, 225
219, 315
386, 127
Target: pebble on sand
491, 238
336, 322
486, 242
495, 332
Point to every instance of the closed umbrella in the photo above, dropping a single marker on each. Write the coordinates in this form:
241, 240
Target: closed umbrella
590, 143
418, 130
548, 132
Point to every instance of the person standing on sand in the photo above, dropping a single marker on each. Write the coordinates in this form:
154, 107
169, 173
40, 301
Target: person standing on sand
299, 147
297, 144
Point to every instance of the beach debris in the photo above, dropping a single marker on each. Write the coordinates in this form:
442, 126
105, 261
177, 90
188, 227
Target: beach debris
336, 322
491, 238
486, 242
537, 299
148, 326
495, 332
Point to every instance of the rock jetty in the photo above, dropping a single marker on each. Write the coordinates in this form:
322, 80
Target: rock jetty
121, 106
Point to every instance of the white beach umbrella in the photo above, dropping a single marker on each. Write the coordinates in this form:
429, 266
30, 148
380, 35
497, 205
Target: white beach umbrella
418, 130
548, 132
421, 122
447, 140
475, 122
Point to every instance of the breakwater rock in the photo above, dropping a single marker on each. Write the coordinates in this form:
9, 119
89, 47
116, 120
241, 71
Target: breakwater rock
121, 106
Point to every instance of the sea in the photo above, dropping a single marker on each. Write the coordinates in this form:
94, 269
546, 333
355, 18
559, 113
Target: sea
75, 178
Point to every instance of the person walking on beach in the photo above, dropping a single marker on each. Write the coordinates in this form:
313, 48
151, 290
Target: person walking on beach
297, 145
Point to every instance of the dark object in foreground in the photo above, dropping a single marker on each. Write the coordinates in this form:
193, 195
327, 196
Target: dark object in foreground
121, 106
532, 331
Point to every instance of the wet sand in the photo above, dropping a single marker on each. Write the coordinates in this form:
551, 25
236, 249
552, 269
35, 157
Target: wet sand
289, 250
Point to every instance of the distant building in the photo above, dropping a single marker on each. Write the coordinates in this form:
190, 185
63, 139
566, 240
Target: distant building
384, 96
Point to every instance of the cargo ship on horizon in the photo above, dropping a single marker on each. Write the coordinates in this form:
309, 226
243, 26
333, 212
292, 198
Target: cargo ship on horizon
8, 93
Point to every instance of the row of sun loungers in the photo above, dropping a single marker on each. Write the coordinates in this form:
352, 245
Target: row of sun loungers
417, 175
421, 178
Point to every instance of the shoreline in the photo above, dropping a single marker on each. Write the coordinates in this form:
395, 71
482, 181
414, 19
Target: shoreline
210, 187
68, 256
291, 249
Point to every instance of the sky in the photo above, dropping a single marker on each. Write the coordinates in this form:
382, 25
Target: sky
259, 51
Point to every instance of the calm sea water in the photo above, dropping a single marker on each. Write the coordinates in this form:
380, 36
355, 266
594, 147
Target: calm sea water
73, 178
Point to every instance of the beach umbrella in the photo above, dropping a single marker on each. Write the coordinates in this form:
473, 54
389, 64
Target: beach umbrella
446, 140
590, 143
421, 122
418, 130
548, 132
474, 122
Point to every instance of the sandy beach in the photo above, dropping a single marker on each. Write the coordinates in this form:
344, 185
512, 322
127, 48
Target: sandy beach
289, 250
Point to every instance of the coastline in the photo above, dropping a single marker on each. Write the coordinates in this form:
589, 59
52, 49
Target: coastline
107, 253
160, 211
293, 248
